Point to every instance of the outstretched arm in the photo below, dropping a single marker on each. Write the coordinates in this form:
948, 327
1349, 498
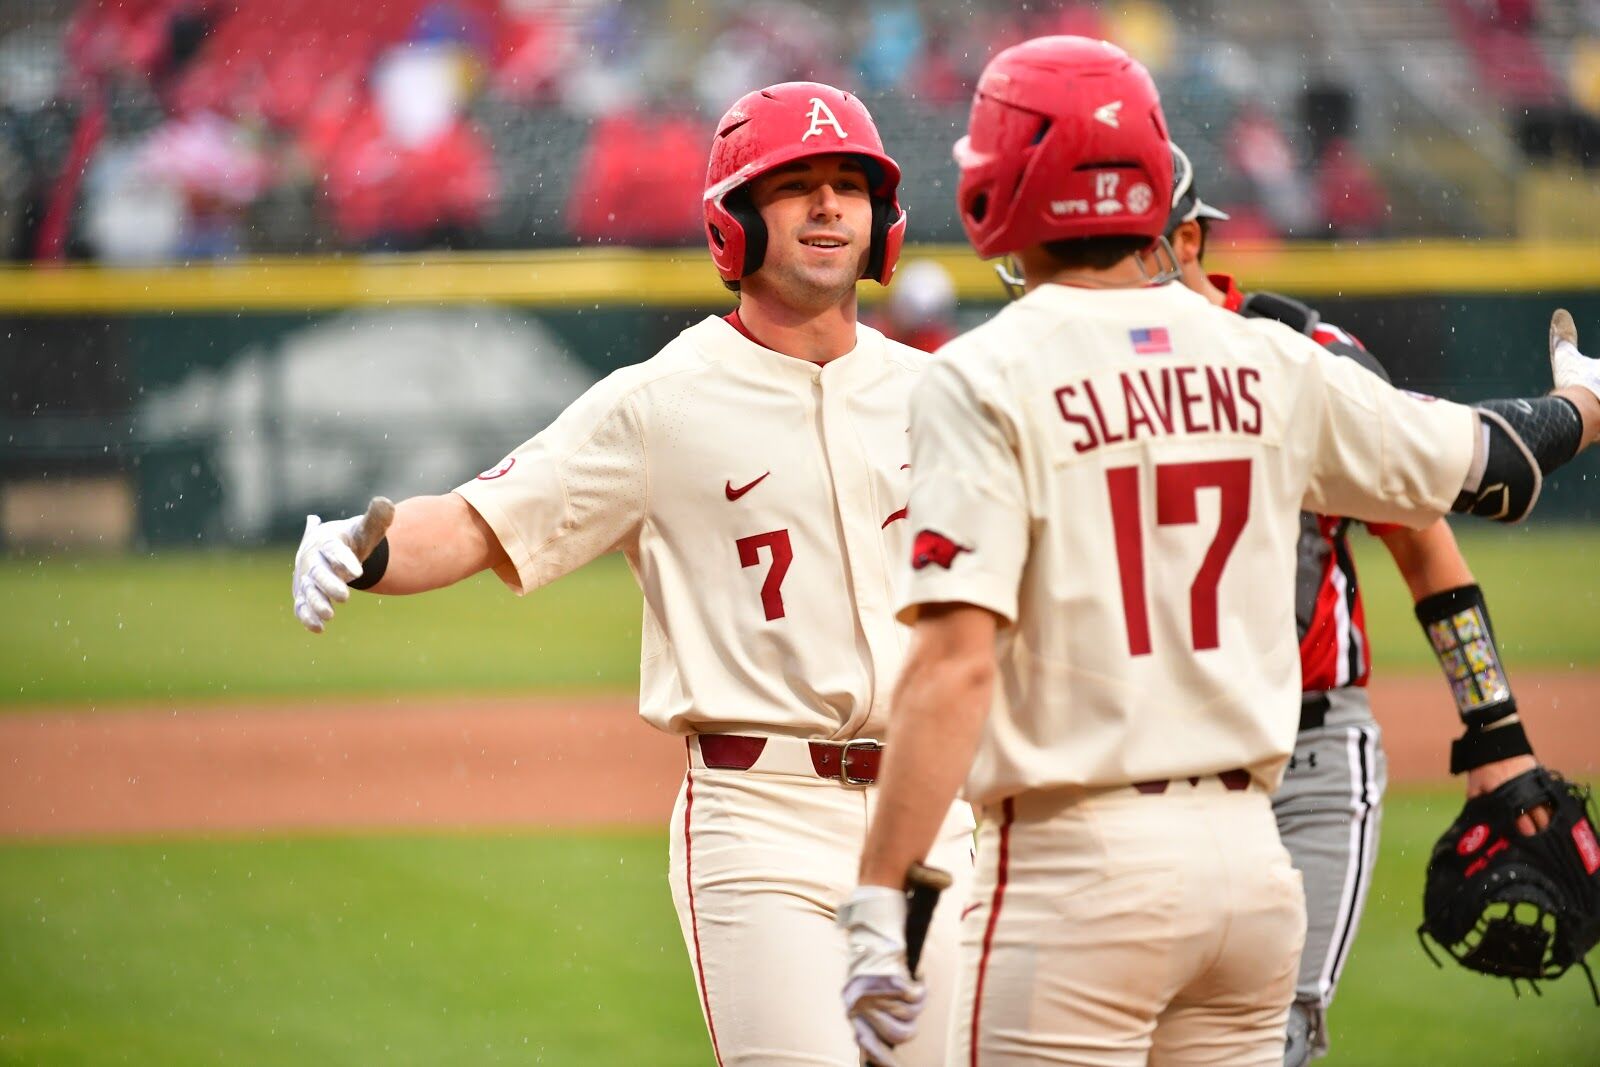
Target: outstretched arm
437, 541
1520, 441
426, 542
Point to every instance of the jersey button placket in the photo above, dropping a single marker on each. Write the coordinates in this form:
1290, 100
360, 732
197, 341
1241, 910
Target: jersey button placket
851, 473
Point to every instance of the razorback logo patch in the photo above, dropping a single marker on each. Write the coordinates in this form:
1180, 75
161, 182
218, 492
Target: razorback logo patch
932, 547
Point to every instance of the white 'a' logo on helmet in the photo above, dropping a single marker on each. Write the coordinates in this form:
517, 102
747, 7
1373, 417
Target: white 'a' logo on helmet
820, 116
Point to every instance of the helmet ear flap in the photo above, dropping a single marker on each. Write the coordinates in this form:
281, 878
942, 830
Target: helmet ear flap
880, 238
741, 206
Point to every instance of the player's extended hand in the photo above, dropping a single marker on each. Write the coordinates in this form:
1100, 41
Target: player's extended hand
1491, 776
1568, 366
881, 998
329, 557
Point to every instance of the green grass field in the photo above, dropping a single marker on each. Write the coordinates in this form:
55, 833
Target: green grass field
556, 949
203, 626
218, 626
540, 948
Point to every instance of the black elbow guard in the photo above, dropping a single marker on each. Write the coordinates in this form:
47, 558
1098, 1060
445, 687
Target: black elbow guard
1523, 440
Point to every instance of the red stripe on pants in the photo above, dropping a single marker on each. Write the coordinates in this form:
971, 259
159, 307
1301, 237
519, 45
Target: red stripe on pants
988, 932
694, 925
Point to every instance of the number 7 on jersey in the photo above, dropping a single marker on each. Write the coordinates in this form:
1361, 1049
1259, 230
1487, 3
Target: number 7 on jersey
1178, 487
777, 543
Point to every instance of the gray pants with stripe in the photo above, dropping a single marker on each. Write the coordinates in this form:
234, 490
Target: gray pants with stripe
1328, 810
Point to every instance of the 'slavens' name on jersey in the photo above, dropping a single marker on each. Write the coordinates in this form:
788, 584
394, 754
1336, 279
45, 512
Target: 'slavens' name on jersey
1163, 401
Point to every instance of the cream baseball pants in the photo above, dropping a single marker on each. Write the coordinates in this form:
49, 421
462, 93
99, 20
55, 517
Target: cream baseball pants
761, 859
1121, 928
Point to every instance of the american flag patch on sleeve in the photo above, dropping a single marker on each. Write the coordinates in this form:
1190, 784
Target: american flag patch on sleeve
1151, 342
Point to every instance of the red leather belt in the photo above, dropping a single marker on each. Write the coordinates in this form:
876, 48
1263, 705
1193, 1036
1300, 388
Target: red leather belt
849, 762
1233, 781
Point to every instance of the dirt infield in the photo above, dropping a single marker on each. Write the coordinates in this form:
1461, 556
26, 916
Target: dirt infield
498, 762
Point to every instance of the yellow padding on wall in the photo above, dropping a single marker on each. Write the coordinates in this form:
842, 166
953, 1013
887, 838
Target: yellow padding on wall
676, 278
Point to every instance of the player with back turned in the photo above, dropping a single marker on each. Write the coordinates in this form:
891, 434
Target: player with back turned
1107, 485
754, 475
1329, 805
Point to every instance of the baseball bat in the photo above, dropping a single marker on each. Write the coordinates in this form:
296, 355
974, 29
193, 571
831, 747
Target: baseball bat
923, 886
374, 524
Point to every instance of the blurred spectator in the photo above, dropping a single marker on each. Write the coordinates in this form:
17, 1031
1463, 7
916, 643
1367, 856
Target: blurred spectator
891, 45
1350, 197
534, 54
130, 216
217, 169
1260, 152
630, 193
605, 76
407, 171
1498, 35
945, 74
31, 70
921, 308
353, 125
764, 43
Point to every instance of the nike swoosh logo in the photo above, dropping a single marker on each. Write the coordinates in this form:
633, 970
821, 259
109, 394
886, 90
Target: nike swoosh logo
735, 494
902, 513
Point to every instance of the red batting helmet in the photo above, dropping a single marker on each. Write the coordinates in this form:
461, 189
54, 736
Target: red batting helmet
1066, 139
777, 125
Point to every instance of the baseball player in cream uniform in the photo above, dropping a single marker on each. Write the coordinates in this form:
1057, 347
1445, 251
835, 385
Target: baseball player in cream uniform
1107, 486
754, 474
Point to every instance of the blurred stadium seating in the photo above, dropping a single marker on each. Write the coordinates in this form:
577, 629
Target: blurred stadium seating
229, 157
186, 129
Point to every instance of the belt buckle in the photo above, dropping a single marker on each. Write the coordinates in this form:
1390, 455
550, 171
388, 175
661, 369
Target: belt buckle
860, 745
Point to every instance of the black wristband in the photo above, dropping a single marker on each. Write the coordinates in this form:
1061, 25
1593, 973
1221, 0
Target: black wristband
1479, 746
373, 566
1458, 627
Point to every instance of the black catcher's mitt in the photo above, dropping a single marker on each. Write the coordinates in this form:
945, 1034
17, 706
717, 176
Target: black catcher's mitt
1524, 907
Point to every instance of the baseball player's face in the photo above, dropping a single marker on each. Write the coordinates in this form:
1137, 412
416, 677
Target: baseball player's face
818, 213
1187, 243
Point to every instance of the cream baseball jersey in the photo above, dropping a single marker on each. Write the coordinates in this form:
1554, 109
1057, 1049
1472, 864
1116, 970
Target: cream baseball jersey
760, 501
1120, 474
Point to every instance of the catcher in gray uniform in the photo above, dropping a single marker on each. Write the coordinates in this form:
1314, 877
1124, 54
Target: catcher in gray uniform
1329, 805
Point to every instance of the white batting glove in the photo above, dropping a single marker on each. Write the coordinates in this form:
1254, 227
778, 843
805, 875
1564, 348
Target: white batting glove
329, 557
881, 998
1568, 366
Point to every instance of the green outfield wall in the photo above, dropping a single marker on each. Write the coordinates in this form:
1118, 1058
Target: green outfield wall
219, 403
